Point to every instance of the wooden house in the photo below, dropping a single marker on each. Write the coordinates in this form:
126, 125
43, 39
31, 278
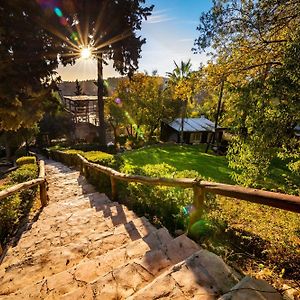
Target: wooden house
195, 130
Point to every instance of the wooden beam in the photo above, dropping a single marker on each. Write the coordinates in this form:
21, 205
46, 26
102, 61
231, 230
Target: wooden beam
182, 182
42, 169
20, 187
114, 192
278, 200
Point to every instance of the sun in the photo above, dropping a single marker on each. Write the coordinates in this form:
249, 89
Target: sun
86, 53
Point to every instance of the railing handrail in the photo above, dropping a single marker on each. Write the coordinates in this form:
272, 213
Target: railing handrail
20, 187
273, 199
41, 181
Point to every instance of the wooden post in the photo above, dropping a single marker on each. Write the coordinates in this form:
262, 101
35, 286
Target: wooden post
43, 194
1, 249
81, 163
198, 204
113, 183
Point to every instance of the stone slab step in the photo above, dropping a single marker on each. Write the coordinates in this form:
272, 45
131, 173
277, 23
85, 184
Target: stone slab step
89, 270
57, 194
123, 281
251, 288
51, 232
46, 262
75, 203
203, 275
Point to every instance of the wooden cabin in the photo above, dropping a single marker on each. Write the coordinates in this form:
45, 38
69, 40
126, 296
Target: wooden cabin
195, 131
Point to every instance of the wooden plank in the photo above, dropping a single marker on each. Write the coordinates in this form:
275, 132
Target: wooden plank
42, 169
114, 192
278, 200
43, 194
20, 187
182, 182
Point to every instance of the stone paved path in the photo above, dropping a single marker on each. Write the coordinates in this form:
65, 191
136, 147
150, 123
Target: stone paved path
83, 246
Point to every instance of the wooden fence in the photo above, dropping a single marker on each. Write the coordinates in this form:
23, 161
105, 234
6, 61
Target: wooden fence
200, 187
40, 181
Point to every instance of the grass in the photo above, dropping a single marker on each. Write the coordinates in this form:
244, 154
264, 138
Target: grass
183, 158
211, 167
259, 240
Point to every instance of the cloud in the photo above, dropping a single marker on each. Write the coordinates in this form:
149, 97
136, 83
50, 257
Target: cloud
159, 16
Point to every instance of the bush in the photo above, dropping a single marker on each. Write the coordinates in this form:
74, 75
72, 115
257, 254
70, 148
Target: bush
25, 160
9, 214
24, 173
14, 208
103, 158
162, 205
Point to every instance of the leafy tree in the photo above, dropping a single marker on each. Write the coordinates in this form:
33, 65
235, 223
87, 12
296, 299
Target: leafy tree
109, 28
28, 53
256, 45
140, 104
36, 35
78, 88
181, 84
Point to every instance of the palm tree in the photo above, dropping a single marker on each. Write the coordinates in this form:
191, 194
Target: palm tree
179, 74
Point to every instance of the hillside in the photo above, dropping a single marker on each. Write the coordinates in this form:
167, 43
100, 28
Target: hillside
88, 86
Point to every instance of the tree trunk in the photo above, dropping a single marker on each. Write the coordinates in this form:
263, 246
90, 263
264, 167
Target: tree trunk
212, 142
183, 113
7, 146
102, 131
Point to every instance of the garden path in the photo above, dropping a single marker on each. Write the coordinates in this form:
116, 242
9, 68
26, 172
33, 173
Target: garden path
84, 246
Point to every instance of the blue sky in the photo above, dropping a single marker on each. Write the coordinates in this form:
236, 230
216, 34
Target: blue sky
170, 34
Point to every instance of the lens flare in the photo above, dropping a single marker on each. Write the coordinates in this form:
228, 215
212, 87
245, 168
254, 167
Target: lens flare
58, 12
86, 53
118, 100
74, 36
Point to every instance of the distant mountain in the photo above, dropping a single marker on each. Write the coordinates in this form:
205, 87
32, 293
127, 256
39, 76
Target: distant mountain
89, 87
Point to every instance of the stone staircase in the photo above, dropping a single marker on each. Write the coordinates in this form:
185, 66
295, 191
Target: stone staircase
84, 246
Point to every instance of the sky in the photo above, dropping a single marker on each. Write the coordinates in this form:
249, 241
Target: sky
170, 33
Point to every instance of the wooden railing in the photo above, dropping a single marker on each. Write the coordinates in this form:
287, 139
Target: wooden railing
200, 187
40, 181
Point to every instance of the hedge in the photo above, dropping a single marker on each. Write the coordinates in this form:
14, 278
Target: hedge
24, 160
15, 207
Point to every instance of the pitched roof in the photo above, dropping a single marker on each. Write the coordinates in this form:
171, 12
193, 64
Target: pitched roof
193, 124
81, 98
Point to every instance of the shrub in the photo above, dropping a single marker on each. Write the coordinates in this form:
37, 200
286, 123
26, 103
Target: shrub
9, 214
24, 173
163, 205
103, 158
85, 147
25, 160
13, 208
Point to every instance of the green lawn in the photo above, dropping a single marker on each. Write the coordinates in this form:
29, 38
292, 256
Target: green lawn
255, 238
210, 166
183, 158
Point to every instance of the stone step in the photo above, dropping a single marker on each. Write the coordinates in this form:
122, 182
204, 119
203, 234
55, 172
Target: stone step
203, 275
49, 232
60, 193
122, 282
68, 205
251, 288
89, 270
49, 261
